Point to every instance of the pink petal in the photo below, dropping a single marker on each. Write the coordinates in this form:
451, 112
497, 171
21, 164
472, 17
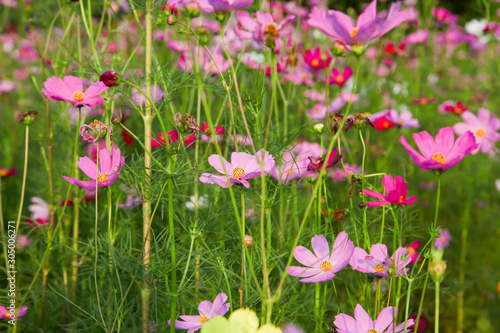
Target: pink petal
219, 163
379, 251
363, 319
320, 247
345, 323
95, 90
205, 308
444, 140
385, 318
104, 161
88, 167
306, 257
246, 21
208, 178
73, 83
321, 277
425, 142
374, 194
369, 14
415, 156
303, 271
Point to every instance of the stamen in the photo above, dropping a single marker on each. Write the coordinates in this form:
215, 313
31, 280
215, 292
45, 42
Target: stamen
102, 178
379, 268
439, 157
480, 132
78, 96
271, 30
238, 172
203, 319
411, 250
354, 33
372, 331
315, 63
326, 266
401, 198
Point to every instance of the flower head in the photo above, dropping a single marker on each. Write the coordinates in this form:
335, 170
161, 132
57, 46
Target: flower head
340, 79
317, 164
443, 240
443, 152
70, 89
378, 261
362, 322
450, 106
484, 126
243, 166
10, 312
6, 172
110, 164
321, 265
317, 59
412, 250
40, 212
368, 26
110, 78
396, 190
207, 310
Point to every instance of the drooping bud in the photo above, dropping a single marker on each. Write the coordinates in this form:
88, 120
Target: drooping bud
110, 78
27, 118
186, 123
94, 131
116, 119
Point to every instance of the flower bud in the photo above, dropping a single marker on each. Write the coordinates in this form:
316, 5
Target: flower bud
193, 9
110, 78
339, 48
171, 20
437, 268
27, 118
358, 49
116, 119
319, 128
248, 240
362, 204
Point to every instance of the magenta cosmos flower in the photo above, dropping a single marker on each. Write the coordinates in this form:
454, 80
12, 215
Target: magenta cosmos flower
110, 168
321, 266
442, 153
263, 29
378, 261
243, 166
368, 26
207, 311
70, 89
396, 190
484, 126
10, 313
362, 322
228, 5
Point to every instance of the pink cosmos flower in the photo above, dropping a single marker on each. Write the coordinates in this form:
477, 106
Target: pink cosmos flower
23, 242
444, 16
442, 153
417, 37
412, 250
443, 240
340, 79
263, 29
70, 89
228, 5
194, 5
450, 106
362, 322
317, 59
204, 61
317, 164
339, 175
40, 212
368, 26
207, 310
378, 261
291, 167
396, 193
424, 100
404, 119
243, 166
110, 164
300, 75
156, 94
484, 126
6, 86
321, 266
6, 172
8, 313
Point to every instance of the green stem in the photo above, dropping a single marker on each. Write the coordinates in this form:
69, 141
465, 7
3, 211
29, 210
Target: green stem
436, 322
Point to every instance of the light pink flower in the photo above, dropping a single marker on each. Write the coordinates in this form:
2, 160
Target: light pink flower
378, 261
243, 166
228, 5
417, 37
368, 26
484, 126
110, 164
291, 167
70, 89
362, 322
156, 94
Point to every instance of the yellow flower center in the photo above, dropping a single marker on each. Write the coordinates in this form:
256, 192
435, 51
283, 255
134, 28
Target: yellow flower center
354, 33
102, 178
3, 172
238, 172
480, 132
411, 250
271, 30
339, 79
379, 268
78, 96
458, 110
401, 198
315, 63
439, 157
372, 331
386, 124
97, 123
401, 122
326, 266
203, 319
443, 239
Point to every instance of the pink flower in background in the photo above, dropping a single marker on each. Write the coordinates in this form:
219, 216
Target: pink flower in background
362, 322
156, 94
40, 212
404, 119
243, 166
205, 61
338, 78
173, 137
368, 26
321, 266
6, 313
317, 59
443, 152
444, 16
484, 126
412, 250
195, 5
300, 75
317, 164
26, 53
6, 172
339, 175
291, 167
396, 190
417, 37
6, 86
381, 120
424, 100
443, 240
450, 106
378, 261
228, 5
207, 311
110, 164
70, 89
263, 29
23, 242
241, 139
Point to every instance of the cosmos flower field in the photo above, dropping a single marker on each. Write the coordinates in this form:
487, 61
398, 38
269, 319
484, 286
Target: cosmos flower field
249, 166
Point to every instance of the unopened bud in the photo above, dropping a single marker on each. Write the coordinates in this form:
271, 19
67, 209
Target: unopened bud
110, 78
437, 268
27, 118
358, 49
319, 128
362, 204
193, 9
339, 48
248, 240
171, 20
116, 119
